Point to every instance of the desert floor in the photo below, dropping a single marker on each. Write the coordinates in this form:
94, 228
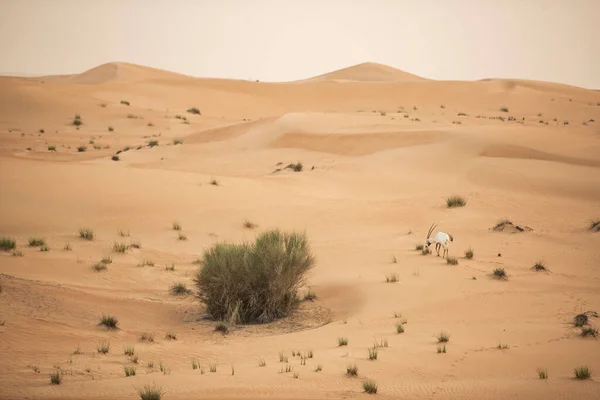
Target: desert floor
381, 150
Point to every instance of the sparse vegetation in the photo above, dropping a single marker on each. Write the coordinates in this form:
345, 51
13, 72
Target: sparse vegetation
109, 321
193, 110
44, 248
99, 266
125, 102
51, 148
594, 225
176, 226
373, 353
77, 120
181, 236
111, 129
254, 282
441, 348
120, 247
103, 347
214, 182
393, 278
222, 327
81, 149
370, 386
469, 253
115, 157
443, 337
589, 331
500, 273
129, 371
7, 244
399, 328
451, 261
86, 234
539, 266
504, 109
179, 289
177, 141
582, 373
310, 295
36, 241
129, 350
352, 370
419, 247
152, 143
147, 337
249, 224
171, 336
342, 341
56, 377
455, 201
150, 392
542, 373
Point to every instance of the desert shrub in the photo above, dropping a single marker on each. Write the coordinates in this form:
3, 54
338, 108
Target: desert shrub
115, 158
582, 372
7, 244
504, 109
153, 143
455, 201
151, 392
56, 377
499, 273
125, 102
193, 110
51, 148
469, 253
36, 241
86, 233
370, 386
254, 282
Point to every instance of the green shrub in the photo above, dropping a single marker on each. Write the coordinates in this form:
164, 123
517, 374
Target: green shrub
7, 244
254, 282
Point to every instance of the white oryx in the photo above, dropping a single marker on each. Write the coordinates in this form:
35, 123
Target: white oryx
440, 239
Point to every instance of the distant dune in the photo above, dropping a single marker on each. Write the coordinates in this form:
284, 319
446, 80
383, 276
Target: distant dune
368, 72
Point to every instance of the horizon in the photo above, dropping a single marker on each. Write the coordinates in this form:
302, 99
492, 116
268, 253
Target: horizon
236, 40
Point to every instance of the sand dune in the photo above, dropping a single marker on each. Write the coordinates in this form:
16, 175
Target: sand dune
381, 151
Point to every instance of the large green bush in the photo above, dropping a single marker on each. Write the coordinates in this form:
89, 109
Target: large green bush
246, 283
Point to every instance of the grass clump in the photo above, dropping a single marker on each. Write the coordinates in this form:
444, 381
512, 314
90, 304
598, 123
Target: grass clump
36, 241
373, 354
151, 392
393, 278
582, 373
342, 341
129, 350
222, 327
152, 143
86, 233
370, 386
176, 226
500, 273
594, 225
504, 109
56, 377
147, 337
51, 148
109, 321
589, 331
441, 349
120, 247
7, 244
469, 253
81, 149
539, 266
254, 282
310, 295
352, 370
103, 347
452, 261
115, 157
399, 328
99, 266
193, 110
456, 201
171, 336
129, 371
249, 224
542, 373
443, 337
179, 289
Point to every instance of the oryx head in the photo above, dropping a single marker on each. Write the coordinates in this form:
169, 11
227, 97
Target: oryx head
428, 240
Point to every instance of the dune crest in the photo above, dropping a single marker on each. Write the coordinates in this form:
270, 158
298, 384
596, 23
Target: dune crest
368, 72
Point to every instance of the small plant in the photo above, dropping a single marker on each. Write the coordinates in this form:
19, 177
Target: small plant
86, 233
120, 247
451, 261
262, 362
542, 373
125, 102
99, 266
51, 148
103, 347
16, 253
106, 260
44, 248
77, 120
310, 295
504, 109
500, 273
109, 321
399, 328
373, 354
170, 268
67, 247
370, 386
352, 370
81, 149
152, 143
7, 244
393, 278
179, 289
441, 349
282, 357
147, 337
171, 336
150, 392
342, 341
419, 247
319, 368
456, 201
296, 167
177, 141
36, 241
214, 182
443, 337
115, 157
193, 110
469, 253
212, 367
195, 364
539, 266
181, 236
222, 327
176, 226
594, 225
589, 331
129, 350
582, 373
111, 129
129, 371
501, 346
56, 377
580, 320
249, 224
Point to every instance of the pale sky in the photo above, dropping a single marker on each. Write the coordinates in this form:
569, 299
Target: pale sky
270, 40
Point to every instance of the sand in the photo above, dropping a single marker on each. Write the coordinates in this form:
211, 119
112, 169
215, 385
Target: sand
382, 150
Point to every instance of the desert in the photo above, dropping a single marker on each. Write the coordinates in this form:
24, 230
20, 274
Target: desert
116, 181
